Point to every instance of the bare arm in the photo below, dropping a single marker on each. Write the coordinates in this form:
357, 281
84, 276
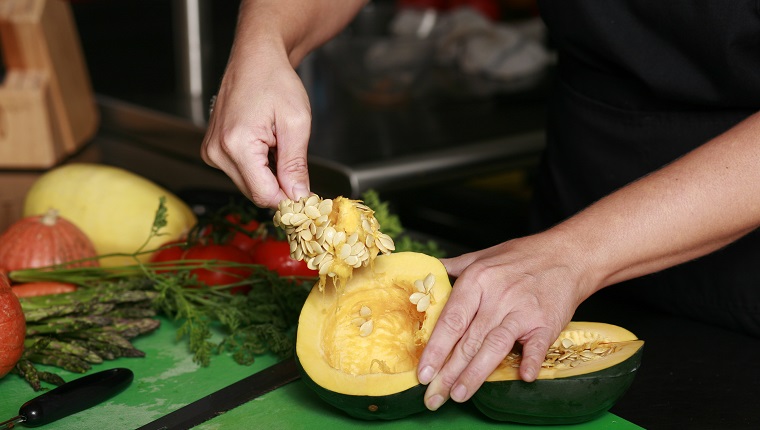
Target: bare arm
294, 27
262, 106
527, 289
698, 204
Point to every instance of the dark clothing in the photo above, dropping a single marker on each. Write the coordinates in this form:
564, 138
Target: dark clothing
640, 84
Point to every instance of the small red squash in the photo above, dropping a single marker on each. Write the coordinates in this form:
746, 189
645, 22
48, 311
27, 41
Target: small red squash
44, 240
12, 327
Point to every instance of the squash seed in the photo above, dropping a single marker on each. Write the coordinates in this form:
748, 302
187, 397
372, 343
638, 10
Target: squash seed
424, 303
422, 297
366, 328
365, 311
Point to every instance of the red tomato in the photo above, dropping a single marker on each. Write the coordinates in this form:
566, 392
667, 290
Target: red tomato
275, 255
245, 241
220, 275
241, 240
172, 252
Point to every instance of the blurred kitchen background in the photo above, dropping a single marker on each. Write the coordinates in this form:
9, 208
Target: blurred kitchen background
436, 104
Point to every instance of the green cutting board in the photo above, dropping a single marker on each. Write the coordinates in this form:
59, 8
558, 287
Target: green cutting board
167, 379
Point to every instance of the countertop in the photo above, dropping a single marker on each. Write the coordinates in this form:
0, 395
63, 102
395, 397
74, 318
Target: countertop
167, 379
693, 376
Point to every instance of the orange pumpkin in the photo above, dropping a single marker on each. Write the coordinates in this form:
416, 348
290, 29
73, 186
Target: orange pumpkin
44, 240
12, 327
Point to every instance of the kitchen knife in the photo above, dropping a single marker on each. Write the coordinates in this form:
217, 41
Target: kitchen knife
71, 397
228, 398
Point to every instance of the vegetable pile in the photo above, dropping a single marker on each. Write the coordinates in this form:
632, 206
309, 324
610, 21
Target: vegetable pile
228, 295
75, 330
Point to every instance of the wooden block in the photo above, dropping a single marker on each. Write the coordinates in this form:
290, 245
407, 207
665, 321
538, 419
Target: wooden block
29, 134
39, 38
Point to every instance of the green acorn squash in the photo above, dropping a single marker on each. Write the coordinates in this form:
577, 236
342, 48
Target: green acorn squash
359, 342
587, 370
358, 345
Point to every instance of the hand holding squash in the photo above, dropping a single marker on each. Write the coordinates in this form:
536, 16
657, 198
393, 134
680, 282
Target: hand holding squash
520, 291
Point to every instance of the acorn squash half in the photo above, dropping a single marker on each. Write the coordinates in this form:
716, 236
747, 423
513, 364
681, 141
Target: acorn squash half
587, 370
358, 345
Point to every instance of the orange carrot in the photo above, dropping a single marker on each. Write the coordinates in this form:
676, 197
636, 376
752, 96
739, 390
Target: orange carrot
32, 289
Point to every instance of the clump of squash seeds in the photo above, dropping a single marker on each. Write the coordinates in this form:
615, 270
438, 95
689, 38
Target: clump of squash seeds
364, 321
332, 236
422, 296
565, 352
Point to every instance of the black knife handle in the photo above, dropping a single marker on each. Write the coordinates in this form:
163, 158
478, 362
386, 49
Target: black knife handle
75, 396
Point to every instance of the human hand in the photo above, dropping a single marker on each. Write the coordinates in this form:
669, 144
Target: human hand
525, 290
262, 110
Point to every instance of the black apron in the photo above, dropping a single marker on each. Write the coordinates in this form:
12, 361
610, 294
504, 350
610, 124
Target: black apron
641, 83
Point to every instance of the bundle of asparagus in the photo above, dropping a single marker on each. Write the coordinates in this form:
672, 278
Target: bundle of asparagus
75, 330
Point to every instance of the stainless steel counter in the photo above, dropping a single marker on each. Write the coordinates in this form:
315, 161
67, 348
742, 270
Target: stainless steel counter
453, 128
179, 138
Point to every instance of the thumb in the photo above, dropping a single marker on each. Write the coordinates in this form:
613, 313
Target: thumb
293, 170
296, 185
456, 265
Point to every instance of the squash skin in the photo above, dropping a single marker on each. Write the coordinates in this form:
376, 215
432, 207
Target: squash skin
390, 407
568, 400
112, 206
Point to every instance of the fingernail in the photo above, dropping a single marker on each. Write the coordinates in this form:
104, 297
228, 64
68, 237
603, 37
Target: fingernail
529, 374
300, 191
426, 375
434, 402
459, 393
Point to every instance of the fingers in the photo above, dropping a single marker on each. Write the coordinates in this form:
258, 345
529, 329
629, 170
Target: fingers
242, 152
252, 162
292, 166
455, 266
534, 352
480, 350
478, 358
451, 326
490, 310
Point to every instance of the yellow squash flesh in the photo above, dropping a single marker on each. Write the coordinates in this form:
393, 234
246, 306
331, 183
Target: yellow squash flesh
332, 352
114, 207
581, 332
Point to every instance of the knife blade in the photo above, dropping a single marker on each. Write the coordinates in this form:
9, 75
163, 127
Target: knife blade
228, 398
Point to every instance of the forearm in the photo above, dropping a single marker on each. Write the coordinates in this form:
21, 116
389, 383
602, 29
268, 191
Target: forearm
696, 205
293, 26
